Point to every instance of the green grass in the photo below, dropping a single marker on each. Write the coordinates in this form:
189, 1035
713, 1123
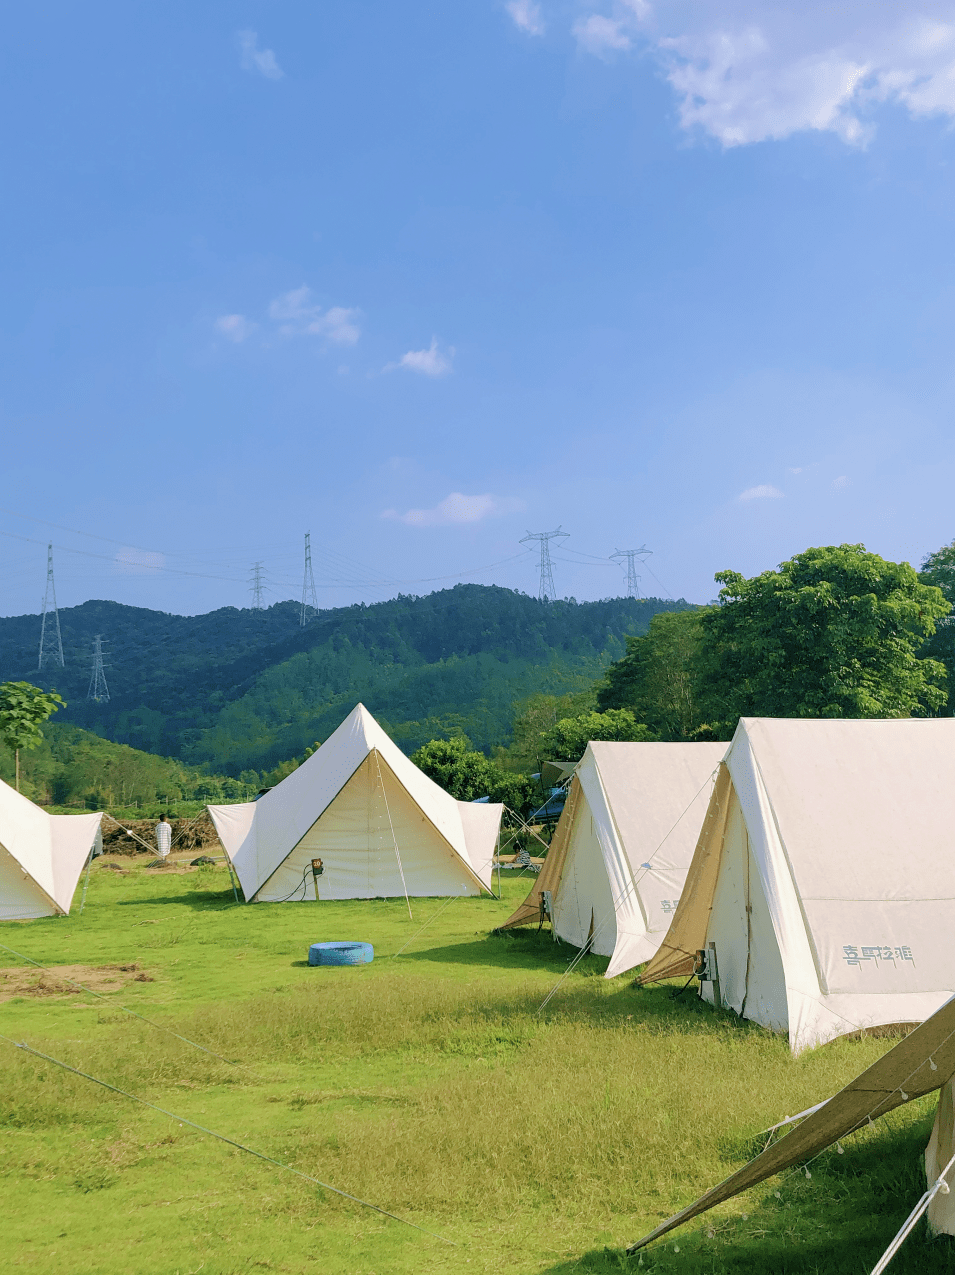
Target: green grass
428, 1084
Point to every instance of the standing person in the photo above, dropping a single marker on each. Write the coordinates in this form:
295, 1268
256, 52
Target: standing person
163, 837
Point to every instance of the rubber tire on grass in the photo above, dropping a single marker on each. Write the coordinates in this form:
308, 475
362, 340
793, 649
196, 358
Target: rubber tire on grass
341, 954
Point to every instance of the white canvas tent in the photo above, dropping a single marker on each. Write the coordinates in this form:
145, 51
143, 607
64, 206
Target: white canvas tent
924, 1061
824, 878
41, 857
382, 828
616, 865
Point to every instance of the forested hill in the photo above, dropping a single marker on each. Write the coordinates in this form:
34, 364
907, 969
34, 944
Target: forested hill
242, 689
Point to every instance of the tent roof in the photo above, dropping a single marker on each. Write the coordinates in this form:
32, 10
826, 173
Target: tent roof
259, 835
904, 1073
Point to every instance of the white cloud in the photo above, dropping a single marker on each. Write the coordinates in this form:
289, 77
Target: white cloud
259, 61
297, 316
429, 362
235, 326
457, 509
754, 70
600, 35
139, 562
761, 492
526, 15
840, 482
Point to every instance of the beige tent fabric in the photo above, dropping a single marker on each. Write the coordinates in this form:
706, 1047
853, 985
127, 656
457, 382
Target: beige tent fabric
687, 933
904, 1073
549, 876
941, 1148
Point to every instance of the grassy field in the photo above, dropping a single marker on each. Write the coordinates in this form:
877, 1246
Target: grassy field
427, 1084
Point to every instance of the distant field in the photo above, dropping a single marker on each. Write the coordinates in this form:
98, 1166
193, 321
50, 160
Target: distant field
427, 1084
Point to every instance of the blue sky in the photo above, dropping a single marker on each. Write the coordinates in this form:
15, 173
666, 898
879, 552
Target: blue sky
420, 278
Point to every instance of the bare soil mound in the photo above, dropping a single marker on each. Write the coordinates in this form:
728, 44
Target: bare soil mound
62, 980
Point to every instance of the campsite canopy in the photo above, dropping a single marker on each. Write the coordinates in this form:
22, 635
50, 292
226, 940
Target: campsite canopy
824, 877
381, 827
620, 852
41, 857
922, 1062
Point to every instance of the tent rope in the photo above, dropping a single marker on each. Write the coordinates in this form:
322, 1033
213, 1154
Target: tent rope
131, 1012
433, 917
222, 1137
939, 1185
401, 870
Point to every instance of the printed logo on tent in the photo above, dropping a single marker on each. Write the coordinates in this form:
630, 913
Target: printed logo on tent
852, 955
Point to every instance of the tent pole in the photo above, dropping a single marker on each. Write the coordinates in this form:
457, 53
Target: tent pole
228, 864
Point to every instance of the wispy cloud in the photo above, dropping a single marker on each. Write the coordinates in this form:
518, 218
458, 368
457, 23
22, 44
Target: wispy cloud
526, 15
258, 61
762, 492
297, 315
457, 509
840, 482
600, 35
429, 362
754, 70
235, 326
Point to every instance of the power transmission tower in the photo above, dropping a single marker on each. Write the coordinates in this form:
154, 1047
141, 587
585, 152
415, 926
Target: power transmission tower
633, 580
547, 591
309, 598
98, 690
257, 587
51, 641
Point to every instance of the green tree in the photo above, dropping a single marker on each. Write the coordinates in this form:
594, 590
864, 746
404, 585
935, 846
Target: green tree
568, 739
657, 678
23, 710
938, 569
468, 775
835, 632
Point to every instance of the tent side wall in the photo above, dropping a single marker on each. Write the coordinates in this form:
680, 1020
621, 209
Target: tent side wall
21, 899
481, 822
73, 838
584, 903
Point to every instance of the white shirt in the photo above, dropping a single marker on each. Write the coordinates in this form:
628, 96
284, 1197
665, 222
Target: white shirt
164, 838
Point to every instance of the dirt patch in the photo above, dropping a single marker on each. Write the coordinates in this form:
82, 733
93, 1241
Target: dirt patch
62, 980
200, 837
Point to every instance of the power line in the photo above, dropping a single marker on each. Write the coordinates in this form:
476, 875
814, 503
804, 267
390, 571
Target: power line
630, 555
51, 640
309, 597
98, 690
546, 592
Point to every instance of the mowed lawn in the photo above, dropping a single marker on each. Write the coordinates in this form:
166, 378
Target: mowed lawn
427, 1083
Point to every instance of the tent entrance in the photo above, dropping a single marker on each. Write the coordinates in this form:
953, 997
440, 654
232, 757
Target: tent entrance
355, 838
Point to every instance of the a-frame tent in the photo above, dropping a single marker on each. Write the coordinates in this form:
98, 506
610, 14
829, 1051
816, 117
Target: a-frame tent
381, 827
824, 878
620, 852
41, 857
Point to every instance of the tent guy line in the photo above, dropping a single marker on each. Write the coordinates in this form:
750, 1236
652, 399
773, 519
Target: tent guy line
17, 1044
99, 995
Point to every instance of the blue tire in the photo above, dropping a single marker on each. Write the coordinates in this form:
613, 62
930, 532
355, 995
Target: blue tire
341, 954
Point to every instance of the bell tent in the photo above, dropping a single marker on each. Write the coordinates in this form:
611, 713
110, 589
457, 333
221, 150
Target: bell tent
381, 827
616, 865
41, 857
821, 887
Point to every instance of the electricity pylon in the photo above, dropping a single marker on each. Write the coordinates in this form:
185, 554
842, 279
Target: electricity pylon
257, 587
309, 598
547, 591
51, 640
633, 580
98, 690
